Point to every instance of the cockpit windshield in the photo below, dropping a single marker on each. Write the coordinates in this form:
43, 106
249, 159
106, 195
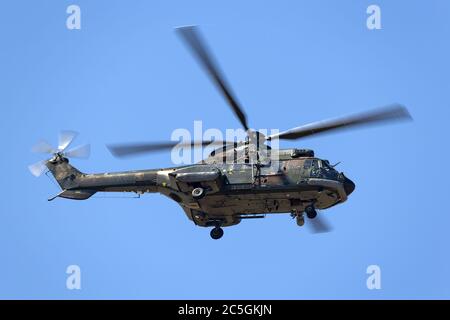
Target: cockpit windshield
317, 168
326, 164
316, 164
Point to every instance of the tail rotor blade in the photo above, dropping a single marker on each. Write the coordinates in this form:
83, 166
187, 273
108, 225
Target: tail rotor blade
65, 139
43, 147
38, 168
82, 151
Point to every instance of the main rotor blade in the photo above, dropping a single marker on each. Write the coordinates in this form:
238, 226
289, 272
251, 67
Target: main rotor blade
132, 149
380, 115
192, 38
79, 152
65, 139
38, 168
43, 147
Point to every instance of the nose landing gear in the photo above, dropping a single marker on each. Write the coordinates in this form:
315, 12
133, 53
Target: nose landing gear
311, 212
300, 220
299, 217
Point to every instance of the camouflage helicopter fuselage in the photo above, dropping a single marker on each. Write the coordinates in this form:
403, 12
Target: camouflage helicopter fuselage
220, 193
232, 191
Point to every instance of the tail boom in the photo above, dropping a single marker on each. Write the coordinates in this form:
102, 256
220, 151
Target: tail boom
77, 185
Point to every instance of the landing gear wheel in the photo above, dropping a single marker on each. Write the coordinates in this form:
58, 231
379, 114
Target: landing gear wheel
216, 233
311, 213
300, 220
198, 193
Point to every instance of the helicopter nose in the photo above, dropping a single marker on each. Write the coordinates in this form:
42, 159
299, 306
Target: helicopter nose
349, 186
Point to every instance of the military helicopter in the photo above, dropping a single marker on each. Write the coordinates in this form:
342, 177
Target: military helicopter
258, 180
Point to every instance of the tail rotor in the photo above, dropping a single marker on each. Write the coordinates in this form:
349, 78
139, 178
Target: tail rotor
65, 139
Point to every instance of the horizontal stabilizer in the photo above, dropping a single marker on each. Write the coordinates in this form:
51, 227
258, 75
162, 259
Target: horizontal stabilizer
74, 194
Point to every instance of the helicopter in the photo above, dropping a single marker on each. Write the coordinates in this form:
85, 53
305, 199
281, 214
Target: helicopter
238, 180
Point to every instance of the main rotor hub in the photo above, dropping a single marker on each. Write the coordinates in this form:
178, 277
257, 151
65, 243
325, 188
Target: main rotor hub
256, 138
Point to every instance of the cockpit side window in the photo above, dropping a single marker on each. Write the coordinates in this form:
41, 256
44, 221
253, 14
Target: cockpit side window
315, 164
307, 164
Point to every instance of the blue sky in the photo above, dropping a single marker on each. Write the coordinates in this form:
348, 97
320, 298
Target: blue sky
125, 76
